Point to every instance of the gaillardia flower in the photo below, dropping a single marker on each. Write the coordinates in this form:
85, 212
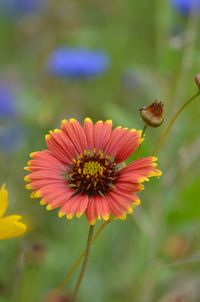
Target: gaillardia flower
10, 226
81, 170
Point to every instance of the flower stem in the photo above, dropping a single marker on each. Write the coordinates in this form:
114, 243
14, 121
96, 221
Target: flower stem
84, 265
172, 121
142, 135
78, 260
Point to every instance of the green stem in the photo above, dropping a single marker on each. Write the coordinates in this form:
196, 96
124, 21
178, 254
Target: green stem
78, 261
84, 265
172, 121
142, 135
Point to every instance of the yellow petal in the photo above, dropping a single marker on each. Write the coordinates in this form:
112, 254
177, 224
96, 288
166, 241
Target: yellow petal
3, 200
11, 218
10, 227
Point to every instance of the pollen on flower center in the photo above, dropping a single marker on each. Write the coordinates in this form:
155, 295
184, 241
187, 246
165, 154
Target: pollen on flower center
92, 168
92, 173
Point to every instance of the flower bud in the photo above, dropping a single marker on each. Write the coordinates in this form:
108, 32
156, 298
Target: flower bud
197, 80
35, 253
153, 114
57, 296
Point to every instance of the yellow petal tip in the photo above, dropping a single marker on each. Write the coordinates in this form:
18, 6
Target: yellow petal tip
27, 178
122, 217
88, 119
92, 222
61, 214
63, 122
28, 187
32, 154
35, 194
129, 210
106, 217
49, 207
57, 130
109, 122
27, 169
137, 202
69, 216
79, 214
47, 137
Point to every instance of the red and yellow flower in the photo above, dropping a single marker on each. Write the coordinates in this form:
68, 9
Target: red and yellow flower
81, 170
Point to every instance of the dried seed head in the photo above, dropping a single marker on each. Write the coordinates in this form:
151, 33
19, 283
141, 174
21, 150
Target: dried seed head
153, 114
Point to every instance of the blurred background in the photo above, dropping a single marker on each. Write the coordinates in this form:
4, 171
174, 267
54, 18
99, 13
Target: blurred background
102, 59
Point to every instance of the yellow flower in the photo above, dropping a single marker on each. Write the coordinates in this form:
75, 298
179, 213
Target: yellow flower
10, 226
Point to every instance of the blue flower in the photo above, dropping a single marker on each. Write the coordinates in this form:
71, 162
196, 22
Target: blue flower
77, 63
7, 102
11, 137
186, 6
21, 7
11, 131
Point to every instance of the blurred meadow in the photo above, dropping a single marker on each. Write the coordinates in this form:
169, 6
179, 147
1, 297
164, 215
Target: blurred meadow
133, 53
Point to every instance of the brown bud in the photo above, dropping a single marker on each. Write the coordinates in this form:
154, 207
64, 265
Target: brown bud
35, 253
176, 246
197, 80
57, 296
153, 114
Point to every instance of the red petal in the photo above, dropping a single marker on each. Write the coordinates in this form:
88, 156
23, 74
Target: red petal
122, 143
76, 134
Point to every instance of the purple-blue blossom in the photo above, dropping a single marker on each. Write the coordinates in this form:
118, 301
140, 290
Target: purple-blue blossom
186, 6
77, 63
11, 137
11, 131
7, 102
14, 8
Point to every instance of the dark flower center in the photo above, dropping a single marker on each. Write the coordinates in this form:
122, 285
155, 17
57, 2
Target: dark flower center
92, 173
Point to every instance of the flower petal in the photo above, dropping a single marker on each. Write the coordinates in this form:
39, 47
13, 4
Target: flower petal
122, 203
76, 134
139, 170
10, 227
48, 180
89, 132
128, 187
61, 146
55, 195
3, 200
102, 132
128, 144
51, 192
74, 206
98, 208
122, 143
